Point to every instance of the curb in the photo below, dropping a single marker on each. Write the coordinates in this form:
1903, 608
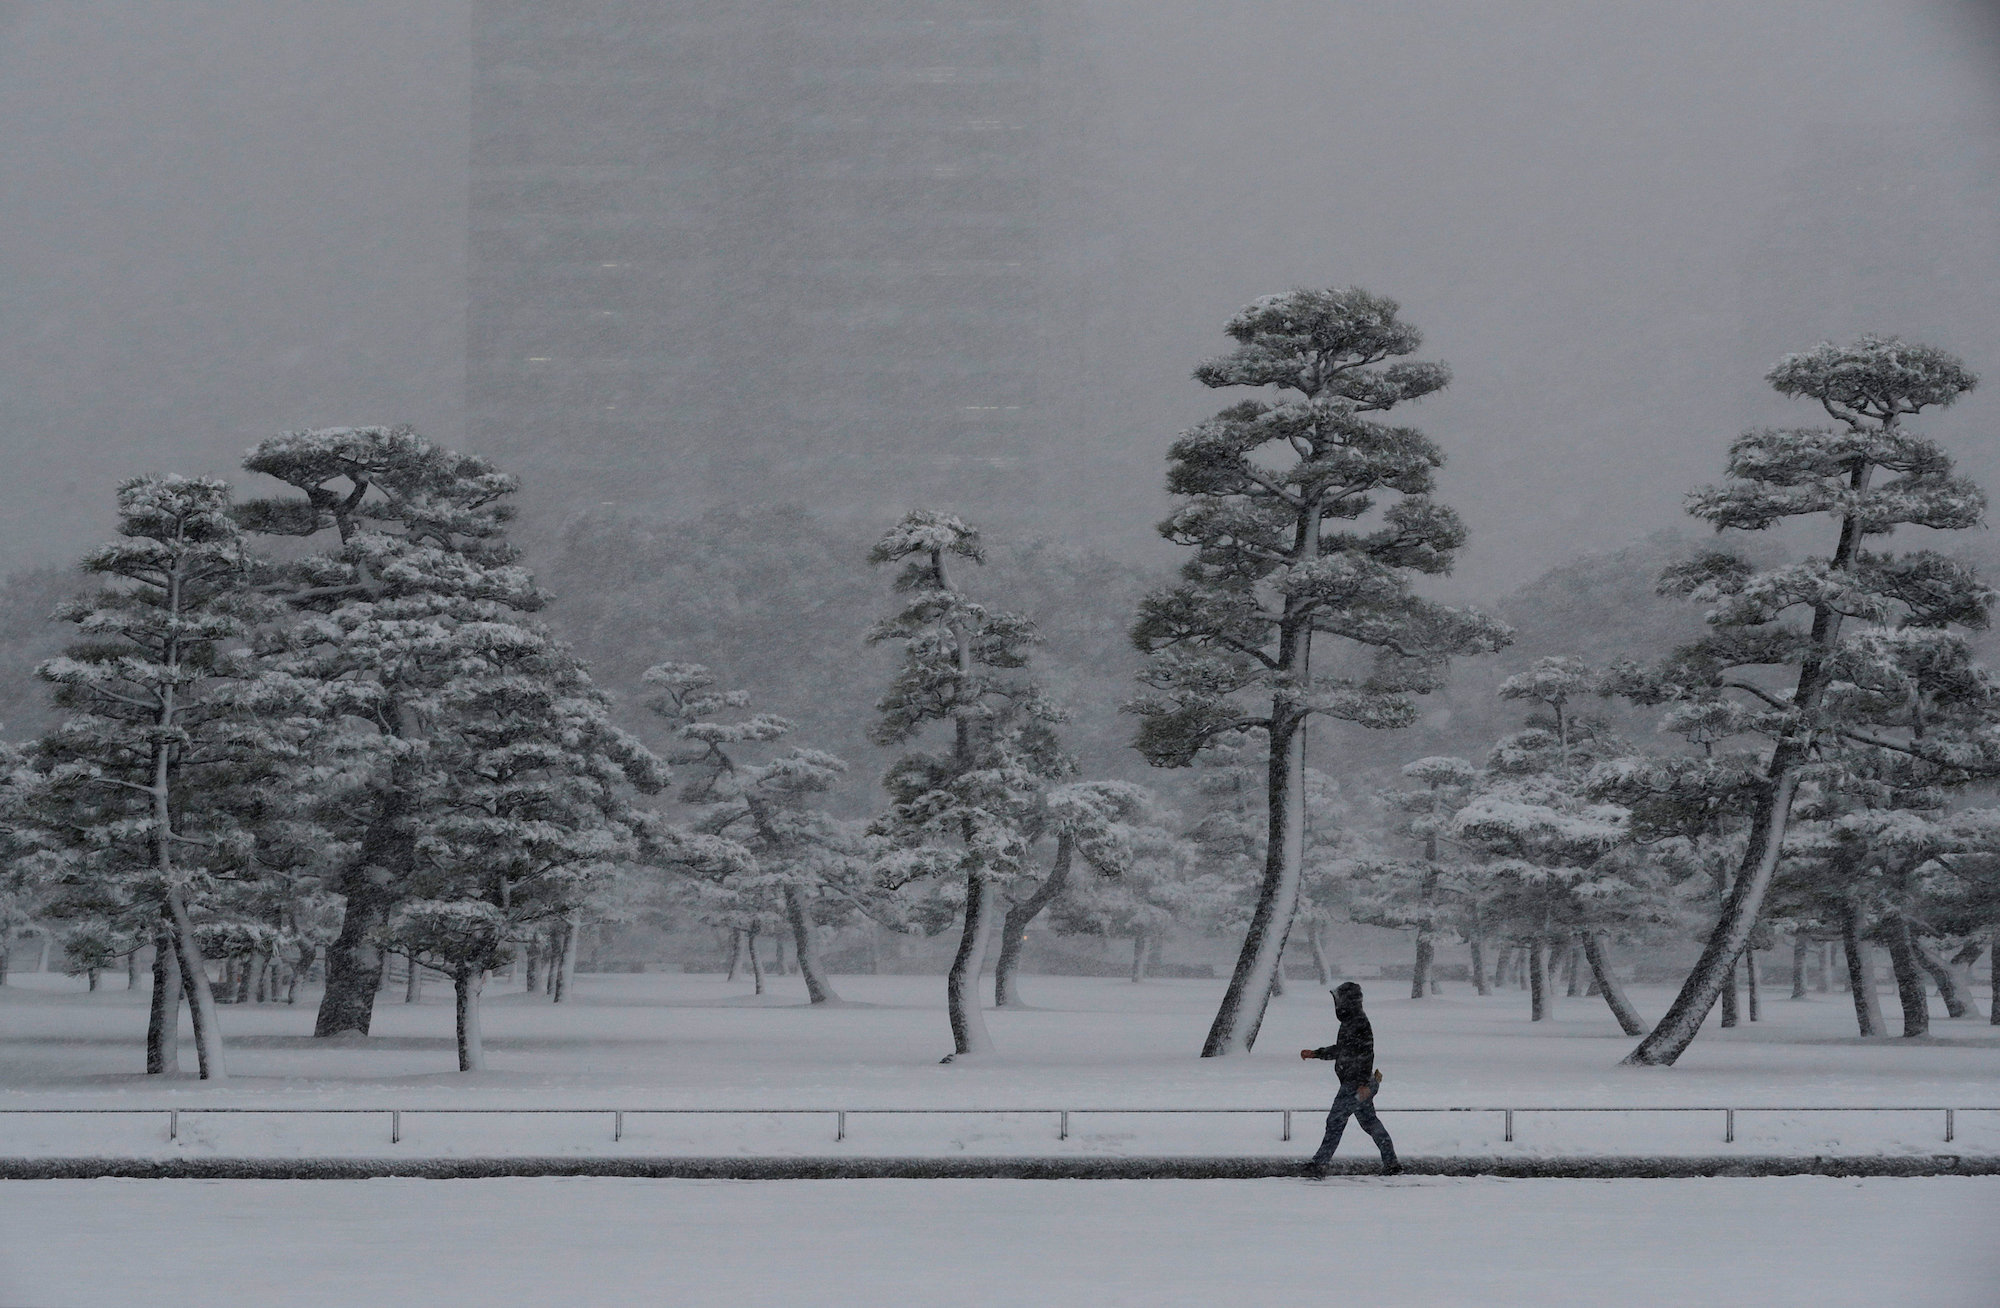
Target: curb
1025, 1169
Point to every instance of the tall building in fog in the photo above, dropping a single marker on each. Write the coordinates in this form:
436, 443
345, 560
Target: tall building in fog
729, 250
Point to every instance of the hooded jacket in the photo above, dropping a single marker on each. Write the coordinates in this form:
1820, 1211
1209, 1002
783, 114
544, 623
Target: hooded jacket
1353, 1047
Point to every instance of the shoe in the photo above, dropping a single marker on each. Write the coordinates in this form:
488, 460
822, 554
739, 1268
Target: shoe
1313, 1171
1392, 1169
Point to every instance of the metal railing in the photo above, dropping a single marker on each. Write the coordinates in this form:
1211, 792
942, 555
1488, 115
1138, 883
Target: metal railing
1062, 1115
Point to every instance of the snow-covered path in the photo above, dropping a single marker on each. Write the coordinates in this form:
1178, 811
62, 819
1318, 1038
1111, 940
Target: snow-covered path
669, 1040
1414, 1241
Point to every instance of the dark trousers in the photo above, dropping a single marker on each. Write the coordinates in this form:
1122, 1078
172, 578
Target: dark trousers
1348, 1103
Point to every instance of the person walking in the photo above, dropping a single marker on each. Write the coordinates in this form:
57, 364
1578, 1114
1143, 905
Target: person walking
1353, 1055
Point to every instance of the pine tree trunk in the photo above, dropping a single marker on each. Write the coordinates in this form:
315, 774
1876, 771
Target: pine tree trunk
42, 952
1478, 966
466, 986
531, 962
778, 955
413, 983
1867, 1014
369, 886
756, 963
1316, 937
961, 985
300, 974
1139, 943
1607, 985
805, 947
565, 971
1730, 1016
1910, 992
90, 975
132, 970
1993, 980
1538, 986
1682, 1021
1956, 1003
1799, 948
1572, 970
201, 998
1014, 931
163, 1020
1241, 1014
735, 956
1420, 969
246, 985
6, 954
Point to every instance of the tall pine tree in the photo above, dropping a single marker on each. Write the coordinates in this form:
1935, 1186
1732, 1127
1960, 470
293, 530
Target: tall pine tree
1283, 505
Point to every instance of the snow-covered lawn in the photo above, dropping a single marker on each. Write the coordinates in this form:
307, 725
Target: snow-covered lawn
669, 1040
1417, 1241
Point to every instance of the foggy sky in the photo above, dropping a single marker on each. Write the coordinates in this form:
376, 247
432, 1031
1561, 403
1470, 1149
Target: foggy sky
225, 218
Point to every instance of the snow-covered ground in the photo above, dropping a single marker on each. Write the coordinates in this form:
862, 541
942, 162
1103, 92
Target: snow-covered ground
675, 1041
1415, 1241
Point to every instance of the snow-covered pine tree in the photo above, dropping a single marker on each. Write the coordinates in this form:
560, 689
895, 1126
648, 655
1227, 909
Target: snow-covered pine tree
800, 863
1266, 485
414, 571
966, 811
1425, 893
1096, 820
1871, 475
1556, 862
144, 784
518, 800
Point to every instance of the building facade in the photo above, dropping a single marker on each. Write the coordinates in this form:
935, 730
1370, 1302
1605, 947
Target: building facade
731, 251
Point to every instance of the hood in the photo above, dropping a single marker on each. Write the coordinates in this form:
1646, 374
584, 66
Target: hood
1347, 1000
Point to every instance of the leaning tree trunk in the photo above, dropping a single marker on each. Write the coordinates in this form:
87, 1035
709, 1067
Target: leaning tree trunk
961, 984
565, 969
1909, 980
466, 985
1956, 1003
1751, 992
1014, 930
1867, 1014
201, 999
163, 1020
1241, 1014
805, 947
1607, 985
368, 884
756, 963
735, 955
1538, 985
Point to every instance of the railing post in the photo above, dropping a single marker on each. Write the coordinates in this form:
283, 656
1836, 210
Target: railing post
1062, 1132
1948, 1125
1288, 1124
173, 1124
617, 1127
839, 1126
396, 1127
1510, 1126
1729, 1126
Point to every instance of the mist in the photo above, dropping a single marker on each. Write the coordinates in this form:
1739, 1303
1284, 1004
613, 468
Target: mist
223, 219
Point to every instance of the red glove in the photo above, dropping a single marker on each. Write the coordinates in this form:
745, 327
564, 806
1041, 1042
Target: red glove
1305, 1053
